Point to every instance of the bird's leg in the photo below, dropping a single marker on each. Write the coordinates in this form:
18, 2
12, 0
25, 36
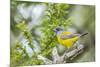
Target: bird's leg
76, 44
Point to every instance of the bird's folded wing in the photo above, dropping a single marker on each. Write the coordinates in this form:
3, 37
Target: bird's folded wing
68, 36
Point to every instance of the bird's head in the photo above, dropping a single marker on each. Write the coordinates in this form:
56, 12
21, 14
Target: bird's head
58, 29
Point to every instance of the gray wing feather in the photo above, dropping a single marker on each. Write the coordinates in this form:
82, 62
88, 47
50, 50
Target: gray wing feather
65, 36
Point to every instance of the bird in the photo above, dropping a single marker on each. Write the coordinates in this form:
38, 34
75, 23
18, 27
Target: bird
66, 38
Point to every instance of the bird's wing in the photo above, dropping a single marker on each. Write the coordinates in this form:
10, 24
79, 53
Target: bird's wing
68, 36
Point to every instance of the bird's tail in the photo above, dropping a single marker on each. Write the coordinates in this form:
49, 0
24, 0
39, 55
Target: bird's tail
83, 34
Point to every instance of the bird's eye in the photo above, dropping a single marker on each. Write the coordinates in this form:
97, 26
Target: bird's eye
58, 29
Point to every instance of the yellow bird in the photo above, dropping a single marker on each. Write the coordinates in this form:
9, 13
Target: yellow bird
67, 39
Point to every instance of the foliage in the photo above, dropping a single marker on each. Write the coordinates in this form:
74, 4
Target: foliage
55, 15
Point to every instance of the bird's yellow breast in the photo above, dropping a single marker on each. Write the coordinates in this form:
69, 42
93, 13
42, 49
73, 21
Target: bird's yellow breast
67, 42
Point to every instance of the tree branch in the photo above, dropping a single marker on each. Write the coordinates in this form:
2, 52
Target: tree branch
64, 58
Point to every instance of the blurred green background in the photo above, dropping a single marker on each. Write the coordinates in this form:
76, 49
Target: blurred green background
32, 25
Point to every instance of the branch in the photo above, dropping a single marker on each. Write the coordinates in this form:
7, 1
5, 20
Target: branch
67, 54
64, 58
